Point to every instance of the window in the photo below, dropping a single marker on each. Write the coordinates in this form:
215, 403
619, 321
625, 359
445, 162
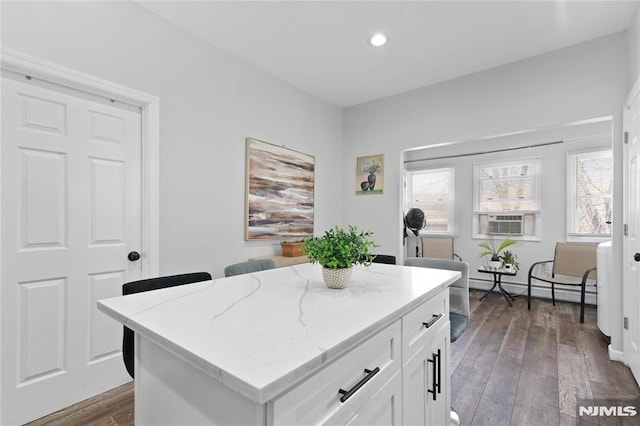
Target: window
589, 195
432, 191
507, 198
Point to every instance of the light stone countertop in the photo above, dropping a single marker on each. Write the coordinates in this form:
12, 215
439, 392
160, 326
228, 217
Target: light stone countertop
261, 333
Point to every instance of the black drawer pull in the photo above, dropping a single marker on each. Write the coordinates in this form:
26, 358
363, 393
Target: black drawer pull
436, 375
369, 374
433, 320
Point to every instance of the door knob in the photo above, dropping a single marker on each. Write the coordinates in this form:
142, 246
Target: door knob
636, 257
133, 256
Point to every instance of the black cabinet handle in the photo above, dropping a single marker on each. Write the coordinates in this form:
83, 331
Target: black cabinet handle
432, 321
369, 375
439, 371
433, 391
436, 375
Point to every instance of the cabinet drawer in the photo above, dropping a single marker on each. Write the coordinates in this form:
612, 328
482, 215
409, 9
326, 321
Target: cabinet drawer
317, 400
415, 332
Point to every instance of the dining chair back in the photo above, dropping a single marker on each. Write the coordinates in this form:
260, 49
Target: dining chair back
384, 258
249, 266
149, 284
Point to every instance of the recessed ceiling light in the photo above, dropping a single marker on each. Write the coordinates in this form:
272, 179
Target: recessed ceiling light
378, 40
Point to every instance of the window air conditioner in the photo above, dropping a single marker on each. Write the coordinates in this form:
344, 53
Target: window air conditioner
506, 224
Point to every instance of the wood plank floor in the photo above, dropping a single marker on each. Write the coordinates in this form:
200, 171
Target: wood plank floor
510, 367
518, 367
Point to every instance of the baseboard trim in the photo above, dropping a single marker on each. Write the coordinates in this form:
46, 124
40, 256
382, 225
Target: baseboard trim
520, 289
615, 355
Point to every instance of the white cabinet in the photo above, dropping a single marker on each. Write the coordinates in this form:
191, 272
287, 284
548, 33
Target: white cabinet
398, 376
425, 374
335, 394
384, 408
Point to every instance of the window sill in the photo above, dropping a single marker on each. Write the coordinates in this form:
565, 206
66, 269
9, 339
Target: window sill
576, 238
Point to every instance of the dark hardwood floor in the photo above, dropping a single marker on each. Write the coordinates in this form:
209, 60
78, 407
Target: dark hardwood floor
518, 367
111, 408
510, 367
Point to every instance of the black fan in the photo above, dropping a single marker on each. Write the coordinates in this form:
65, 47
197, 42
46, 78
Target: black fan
414, 221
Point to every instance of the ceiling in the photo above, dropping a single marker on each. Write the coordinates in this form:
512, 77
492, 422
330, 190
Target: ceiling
322, 47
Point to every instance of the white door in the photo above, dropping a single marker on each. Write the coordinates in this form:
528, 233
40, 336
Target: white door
71, 213
631, 249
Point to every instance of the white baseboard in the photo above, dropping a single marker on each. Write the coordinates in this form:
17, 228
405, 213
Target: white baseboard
514, 288
615, 355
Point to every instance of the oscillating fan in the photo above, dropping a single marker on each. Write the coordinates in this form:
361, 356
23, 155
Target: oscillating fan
414, 221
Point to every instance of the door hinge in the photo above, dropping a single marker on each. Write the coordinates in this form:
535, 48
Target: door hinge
625, 230
626, 137
626, 323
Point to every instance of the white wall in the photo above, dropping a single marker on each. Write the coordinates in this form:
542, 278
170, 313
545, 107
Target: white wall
581, 82
209, 103
553, 159
633, 49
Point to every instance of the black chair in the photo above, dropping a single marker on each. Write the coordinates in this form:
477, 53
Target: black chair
384, 258
248, 267
148, 285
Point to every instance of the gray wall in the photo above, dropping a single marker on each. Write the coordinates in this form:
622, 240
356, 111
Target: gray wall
209, 103
633, 49
577, 83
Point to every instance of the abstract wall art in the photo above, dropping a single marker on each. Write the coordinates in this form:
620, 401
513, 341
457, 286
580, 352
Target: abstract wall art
279, 192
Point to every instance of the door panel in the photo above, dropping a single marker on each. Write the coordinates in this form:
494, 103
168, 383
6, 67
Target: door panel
71, 211
631, 203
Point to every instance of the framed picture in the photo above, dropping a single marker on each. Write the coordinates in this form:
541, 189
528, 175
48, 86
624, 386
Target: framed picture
370, 174
279, 192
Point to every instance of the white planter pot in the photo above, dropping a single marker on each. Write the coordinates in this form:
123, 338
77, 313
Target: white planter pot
494, 264
336, 278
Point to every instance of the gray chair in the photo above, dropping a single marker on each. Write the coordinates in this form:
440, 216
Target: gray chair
459, 311
573, 264
150, 284
248, 267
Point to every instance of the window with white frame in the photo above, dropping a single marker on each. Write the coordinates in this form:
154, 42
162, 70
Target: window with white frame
589, 195
507, 198
432, 191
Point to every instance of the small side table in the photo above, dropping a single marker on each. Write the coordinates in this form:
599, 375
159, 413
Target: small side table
497, 281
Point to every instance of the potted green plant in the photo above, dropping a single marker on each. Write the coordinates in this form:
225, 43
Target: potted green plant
509, 259
337, 251
493, 250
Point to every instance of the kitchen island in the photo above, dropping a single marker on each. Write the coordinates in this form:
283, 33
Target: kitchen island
279, 347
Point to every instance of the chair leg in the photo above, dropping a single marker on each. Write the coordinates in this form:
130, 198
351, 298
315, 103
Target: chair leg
454, 418
553, 294
529, 293
582, 297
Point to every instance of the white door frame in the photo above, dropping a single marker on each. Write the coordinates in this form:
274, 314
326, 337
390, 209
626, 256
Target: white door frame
150, 109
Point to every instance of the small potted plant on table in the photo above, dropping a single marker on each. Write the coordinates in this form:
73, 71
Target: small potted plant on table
490, 249
509, 259
337, 251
